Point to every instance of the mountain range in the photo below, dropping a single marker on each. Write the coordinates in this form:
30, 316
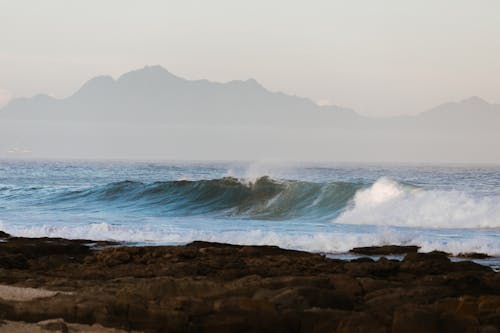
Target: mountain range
153, 94
151, 113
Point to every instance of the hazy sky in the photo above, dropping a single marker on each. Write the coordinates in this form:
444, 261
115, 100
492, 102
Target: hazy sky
380, 57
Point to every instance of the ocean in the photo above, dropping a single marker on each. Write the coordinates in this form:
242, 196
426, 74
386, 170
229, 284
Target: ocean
327, 208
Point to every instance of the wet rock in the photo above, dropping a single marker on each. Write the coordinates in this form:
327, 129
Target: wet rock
456, 323
473, 255
13, 260
347, 284
488, 304
489, 329
361, 322
427, 263
214, 287
317, 320
385, 250
415, 319
380, 268
114, 257
4, 234
369, 284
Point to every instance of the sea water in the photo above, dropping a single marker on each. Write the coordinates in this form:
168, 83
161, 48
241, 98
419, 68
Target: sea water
328, 208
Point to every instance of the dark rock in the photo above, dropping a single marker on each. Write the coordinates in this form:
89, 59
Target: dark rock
385, 250
369, 284
470, 266
347, 284
380, 268
214, 287
489, 329
415, 319
361, 322
473, 255
318, 320
456, 323
427, 263
13, 260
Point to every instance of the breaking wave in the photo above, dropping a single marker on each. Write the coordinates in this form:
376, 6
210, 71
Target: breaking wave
264, 198
385, 202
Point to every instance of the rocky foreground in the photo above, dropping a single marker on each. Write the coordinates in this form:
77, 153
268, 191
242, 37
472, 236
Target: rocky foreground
58, 285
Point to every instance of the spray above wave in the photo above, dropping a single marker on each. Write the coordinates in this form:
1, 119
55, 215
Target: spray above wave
263, 198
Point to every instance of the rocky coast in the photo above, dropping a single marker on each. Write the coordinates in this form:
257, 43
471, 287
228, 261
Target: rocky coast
60, 285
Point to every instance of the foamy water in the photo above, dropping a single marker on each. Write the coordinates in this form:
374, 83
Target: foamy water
315, 208
387, 202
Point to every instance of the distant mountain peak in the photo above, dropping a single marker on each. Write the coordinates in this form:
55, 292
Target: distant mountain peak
253, 82
98, 81
474, 100
247, 83
155, 72
96, 84
469, 107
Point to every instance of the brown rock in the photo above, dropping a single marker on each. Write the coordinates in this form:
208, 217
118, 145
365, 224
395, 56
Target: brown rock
54, 325
361, 322
427, 263
467, 306
317, 320
449, 304
213, 287
309, 297
489, 329
347, 284
489, 304
4, 234
385, 250
457, 323
369, 284
473, 255
415, 319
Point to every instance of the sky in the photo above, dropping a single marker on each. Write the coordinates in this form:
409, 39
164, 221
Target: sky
381, 58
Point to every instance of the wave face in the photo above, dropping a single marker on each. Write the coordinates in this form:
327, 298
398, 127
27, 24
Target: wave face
264, 198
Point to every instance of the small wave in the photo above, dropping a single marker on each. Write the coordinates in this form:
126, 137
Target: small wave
390, 203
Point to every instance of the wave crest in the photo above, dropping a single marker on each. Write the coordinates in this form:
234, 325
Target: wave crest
388, 202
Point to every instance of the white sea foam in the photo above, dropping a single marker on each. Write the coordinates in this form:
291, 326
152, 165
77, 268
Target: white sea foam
327, 242
387, 202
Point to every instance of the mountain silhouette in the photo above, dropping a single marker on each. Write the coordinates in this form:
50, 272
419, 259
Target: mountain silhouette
151, 113
153, 94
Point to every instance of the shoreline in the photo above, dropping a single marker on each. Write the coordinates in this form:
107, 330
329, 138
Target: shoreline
215, 287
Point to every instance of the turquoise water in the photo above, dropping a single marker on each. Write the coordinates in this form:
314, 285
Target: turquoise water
321, 208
